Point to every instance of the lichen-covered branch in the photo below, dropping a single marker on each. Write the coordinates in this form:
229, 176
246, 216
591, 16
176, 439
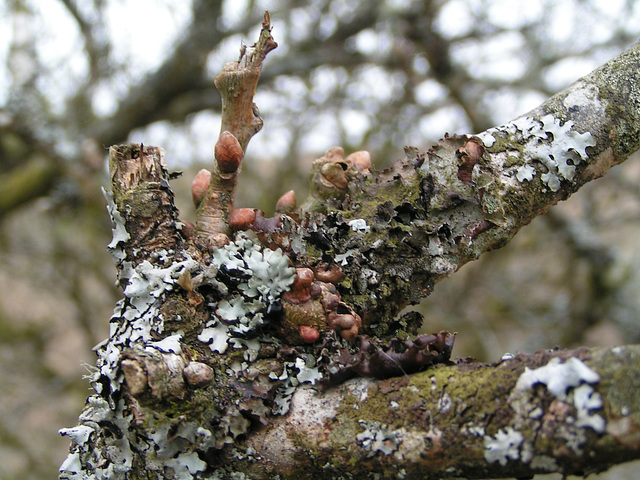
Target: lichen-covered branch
574, 412
395, 233
229, 351
142, 197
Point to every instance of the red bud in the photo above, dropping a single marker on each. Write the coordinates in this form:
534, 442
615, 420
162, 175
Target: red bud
200, 185
287, 202
308, 334
241, 218
228, 153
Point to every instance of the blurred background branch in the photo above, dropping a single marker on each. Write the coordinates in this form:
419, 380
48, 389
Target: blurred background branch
375, 75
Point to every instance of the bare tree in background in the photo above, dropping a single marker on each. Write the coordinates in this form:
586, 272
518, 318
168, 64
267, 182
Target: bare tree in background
52, 150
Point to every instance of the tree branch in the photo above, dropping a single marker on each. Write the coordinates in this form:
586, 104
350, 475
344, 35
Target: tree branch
210, 344
30, 180
468, 421
240, 121
432, 212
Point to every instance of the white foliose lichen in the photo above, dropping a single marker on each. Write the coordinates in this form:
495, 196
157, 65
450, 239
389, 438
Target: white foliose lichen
111, 459
146, 282
359, 225
119, 231
136, 321
343, 258
258, 278
377, 437
558, 377
136, 317
170, 344
503, 447
167, 448
217, 335
487, 137
266, 273
525, 172
78, 435
558, 146
569, 382
303, 370
185, 465
262, 275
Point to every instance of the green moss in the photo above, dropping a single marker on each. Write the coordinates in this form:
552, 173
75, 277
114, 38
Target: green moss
615, 371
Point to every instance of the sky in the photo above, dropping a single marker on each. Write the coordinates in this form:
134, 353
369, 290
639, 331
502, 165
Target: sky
152, 27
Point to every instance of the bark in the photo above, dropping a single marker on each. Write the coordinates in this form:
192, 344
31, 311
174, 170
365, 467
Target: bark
232, 358
469, 420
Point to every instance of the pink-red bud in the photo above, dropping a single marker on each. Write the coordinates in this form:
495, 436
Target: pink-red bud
228, 153
361, 160
287, 202
242, 218
301, 289
199, 186
308, 334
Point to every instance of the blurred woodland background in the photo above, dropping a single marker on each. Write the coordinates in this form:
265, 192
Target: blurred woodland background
78, 76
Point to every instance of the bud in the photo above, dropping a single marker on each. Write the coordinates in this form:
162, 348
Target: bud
335, 173
228, 153
242, 218
308, 334
199, 186
360, 160
287, 202
198, 374
301, 289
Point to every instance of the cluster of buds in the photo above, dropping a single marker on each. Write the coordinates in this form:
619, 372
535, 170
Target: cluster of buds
331, 176
312, 307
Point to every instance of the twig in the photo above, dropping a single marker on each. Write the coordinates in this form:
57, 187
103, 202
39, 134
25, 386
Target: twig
240, 121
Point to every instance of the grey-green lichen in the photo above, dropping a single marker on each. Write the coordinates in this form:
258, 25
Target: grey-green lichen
550, 147
570, 383
525, 414
143, 364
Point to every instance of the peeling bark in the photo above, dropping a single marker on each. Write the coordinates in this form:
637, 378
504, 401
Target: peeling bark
203, 373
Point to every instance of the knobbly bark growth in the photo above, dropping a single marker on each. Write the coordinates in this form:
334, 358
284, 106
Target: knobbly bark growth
221, 324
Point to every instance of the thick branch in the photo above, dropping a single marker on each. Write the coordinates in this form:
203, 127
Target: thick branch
471, 421
431, 213
143, 199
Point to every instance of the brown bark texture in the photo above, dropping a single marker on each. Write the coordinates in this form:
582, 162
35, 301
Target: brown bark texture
255, 347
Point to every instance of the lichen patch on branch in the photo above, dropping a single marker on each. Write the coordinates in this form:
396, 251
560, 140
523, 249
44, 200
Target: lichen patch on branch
574, 406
